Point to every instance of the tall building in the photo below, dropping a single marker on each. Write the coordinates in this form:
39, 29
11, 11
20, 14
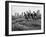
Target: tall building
17, 14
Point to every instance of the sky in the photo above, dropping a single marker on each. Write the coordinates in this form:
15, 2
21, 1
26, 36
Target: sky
20, 9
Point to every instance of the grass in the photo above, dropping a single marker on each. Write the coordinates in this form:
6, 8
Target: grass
19, 24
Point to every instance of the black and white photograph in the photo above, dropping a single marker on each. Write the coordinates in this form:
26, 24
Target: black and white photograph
25, 17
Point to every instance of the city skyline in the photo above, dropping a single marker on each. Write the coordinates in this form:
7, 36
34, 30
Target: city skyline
18, 9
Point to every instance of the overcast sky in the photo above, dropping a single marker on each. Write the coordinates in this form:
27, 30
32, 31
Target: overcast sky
20, 9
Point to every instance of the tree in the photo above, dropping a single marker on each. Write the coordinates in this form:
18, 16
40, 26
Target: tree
26, 17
